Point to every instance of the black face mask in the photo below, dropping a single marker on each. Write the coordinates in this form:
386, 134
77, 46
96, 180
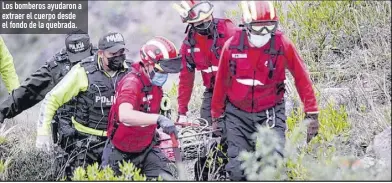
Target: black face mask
204, 28
116, 63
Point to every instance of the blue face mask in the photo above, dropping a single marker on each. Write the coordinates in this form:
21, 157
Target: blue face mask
159, 79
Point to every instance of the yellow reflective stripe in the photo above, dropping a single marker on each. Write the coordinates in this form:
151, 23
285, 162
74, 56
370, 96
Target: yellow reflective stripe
81, 128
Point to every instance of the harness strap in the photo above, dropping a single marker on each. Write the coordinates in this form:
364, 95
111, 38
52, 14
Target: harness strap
115, 126
191, 43
215, 36
241, 47
146, 90
273, 53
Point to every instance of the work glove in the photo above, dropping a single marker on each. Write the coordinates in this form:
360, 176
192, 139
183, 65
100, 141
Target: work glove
1, 117
313, 126
182, 119
167, 125
43, 142
218, 126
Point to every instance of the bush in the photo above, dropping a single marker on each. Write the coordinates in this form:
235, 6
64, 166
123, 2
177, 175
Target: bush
93, 173
299, 164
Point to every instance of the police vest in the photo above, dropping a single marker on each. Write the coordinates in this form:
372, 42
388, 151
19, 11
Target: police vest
92, 106
63, 65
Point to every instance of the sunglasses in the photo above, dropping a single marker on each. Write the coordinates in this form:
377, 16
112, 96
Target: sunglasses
195, 12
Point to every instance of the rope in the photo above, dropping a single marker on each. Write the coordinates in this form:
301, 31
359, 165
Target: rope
195, 140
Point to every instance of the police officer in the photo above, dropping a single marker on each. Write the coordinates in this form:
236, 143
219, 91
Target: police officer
35, 87
249, 87
89, 86
135, 116
7, 68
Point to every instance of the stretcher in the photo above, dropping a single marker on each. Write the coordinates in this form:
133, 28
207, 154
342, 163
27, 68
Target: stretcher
194, 140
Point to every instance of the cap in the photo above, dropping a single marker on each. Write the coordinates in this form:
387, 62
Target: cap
78, 46
112, 42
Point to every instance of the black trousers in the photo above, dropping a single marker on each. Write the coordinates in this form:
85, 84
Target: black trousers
80, 151
205, 110
240, 126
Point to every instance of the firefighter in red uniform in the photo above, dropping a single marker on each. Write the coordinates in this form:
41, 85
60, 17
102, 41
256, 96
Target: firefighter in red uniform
200, 50
134, 117
251, 78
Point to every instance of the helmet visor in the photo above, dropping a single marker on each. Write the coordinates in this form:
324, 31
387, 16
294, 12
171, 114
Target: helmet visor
196, 11
173, 65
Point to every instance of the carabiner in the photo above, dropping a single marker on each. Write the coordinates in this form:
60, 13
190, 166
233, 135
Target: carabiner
269, 118
165, 103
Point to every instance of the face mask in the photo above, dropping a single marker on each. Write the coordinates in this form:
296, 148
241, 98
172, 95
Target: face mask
158, 79
259, 40
116, 63
204, 28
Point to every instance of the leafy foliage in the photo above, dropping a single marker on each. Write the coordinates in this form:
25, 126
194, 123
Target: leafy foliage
93, 173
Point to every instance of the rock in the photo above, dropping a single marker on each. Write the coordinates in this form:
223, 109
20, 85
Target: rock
381, 145
337, 96
367, 162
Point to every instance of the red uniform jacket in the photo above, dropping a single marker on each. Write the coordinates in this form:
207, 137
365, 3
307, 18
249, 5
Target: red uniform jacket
243, 76
204, 59
134, 88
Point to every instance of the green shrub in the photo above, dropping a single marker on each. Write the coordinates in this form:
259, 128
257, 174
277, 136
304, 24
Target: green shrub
298, 163
93, 173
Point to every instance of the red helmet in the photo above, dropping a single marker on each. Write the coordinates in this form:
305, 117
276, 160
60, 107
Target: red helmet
259, 16
162, 53
194, 11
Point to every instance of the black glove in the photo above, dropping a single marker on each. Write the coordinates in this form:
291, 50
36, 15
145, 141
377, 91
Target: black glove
218, 123
1, 117
167, 125
313, 126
